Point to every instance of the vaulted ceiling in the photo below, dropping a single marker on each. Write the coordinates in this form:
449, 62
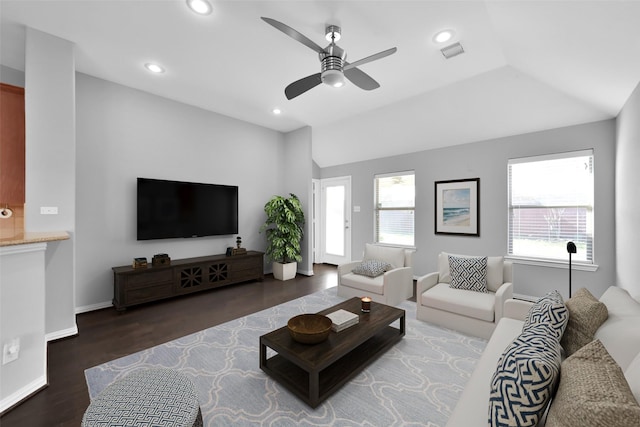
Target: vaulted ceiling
526, 66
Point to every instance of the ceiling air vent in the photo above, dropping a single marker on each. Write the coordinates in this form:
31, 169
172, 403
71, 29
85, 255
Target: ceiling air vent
452, 50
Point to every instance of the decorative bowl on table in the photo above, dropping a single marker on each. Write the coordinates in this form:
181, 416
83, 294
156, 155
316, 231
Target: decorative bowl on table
309, 328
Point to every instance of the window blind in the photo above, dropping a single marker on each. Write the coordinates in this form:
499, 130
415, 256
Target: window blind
395, 208
551, 203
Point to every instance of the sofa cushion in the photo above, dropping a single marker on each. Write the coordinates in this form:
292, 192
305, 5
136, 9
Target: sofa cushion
372, 268
471, 304
549, 315
368, 285
593, 392
495, 267
586, 314
468, 273
394, 256
524, 381
620, 333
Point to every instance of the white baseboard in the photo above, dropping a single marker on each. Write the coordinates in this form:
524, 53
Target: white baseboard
23, 393
52, 336
306, 272
93, 307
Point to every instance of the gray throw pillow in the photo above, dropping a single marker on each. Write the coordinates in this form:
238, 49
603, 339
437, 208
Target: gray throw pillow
468, 273
593, 392
372, 268
586, 314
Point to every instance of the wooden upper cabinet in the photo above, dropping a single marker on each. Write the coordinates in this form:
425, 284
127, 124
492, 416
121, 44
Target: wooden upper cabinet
12, 148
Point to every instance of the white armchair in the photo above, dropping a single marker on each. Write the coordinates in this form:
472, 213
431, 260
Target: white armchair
467, 311
391, 288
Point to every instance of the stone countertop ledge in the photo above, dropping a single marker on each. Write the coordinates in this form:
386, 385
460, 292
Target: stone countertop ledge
34, 237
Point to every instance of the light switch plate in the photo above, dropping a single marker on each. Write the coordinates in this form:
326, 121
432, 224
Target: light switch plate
49, 210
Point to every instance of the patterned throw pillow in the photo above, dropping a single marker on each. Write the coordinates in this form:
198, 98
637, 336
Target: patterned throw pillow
468, 273
549, 315
593, 392
372, 268
524, 381
586, 314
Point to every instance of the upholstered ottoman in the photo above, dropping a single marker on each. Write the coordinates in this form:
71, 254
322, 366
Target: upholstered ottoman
150, 397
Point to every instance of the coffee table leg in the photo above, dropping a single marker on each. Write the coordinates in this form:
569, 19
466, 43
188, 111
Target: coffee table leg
263, 355
402, 325
314, 388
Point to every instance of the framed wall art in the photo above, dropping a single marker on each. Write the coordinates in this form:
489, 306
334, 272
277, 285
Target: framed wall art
458, 207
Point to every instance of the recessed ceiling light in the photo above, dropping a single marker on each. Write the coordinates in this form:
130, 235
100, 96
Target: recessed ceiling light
443, 36
276, 111
154, 68
201, 7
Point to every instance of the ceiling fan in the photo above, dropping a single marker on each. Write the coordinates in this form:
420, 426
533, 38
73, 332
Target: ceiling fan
333, 65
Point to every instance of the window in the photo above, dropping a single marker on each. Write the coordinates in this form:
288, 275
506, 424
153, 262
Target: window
550, 204
395, 200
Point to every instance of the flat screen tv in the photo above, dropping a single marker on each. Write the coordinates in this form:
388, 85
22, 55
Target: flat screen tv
175, 209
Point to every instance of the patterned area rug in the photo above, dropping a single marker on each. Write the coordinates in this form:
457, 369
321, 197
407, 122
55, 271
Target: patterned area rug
415, 383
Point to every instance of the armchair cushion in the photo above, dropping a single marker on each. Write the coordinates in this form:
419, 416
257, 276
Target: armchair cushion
372, 268
495, 266
468, 273
475, 305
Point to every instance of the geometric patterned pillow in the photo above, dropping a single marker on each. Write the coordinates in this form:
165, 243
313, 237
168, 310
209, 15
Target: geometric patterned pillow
548, 315
524, 381
468, 273
372, 268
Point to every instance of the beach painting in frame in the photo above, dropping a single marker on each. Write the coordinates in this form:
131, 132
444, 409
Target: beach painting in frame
458, 207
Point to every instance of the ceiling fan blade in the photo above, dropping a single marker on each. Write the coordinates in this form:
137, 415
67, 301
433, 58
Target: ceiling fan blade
361, 79
301, 86
378, 55
293, 34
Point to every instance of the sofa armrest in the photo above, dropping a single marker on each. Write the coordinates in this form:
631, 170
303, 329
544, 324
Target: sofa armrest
425, 282
346, 268
504, 292
516, 309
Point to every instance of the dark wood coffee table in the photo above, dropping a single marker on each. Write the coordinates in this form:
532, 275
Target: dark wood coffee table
314, 372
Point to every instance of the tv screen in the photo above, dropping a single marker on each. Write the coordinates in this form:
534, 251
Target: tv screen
173, 209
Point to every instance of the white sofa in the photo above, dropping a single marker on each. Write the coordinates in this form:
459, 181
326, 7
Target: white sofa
620, 335
391, 288
470, 312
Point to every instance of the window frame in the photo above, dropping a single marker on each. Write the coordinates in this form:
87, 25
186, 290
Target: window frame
376, 209
585, 265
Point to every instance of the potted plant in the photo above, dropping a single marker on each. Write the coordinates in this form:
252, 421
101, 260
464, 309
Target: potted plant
284, 231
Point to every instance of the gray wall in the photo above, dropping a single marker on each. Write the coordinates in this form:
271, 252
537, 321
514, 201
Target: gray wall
11, 76
488, 161
123, 134
627, 200
298, 174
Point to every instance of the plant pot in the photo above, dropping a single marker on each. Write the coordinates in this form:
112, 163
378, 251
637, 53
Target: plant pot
284, 271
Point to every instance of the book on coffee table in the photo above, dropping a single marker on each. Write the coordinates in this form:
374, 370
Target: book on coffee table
342, 319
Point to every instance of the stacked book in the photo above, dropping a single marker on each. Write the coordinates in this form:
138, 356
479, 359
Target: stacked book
342, 319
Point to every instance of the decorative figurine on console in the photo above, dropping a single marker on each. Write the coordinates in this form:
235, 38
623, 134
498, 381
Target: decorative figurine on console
239, 250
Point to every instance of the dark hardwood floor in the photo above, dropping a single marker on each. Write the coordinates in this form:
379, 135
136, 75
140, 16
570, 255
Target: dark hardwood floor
105, 335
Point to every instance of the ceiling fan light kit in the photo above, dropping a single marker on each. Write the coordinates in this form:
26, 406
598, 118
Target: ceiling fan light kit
334, 69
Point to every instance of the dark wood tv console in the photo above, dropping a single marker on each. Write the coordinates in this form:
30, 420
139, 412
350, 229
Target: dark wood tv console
132, 286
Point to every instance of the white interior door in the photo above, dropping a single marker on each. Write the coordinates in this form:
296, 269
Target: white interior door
336, 220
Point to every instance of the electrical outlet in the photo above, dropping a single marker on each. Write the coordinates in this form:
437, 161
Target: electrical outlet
11, 351
51, 210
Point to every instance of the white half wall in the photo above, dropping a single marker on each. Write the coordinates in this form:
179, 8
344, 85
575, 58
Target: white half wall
50, 166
